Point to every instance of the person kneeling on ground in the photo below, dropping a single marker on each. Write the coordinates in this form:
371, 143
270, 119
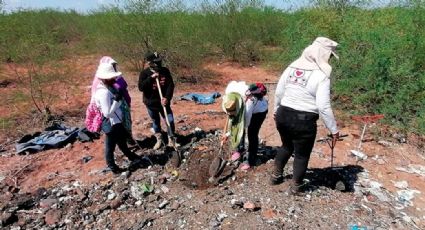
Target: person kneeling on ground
302, 93
151, 97
109, 100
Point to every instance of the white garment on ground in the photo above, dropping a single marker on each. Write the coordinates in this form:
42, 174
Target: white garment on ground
108, 106
254, 105
306, 90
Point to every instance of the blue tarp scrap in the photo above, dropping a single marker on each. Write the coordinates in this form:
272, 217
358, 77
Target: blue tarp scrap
55, 136
201, 98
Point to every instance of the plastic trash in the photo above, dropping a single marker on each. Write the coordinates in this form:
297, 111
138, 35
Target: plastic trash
356, 227
359, 155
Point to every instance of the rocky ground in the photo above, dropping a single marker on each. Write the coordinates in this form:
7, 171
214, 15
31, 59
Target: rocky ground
68, 188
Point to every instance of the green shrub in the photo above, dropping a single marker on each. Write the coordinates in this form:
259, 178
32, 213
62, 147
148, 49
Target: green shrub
382, 66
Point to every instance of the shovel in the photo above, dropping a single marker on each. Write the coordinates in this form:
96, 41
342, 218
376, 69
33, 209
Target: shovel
169, 131
328, 140
218, 162
339, 185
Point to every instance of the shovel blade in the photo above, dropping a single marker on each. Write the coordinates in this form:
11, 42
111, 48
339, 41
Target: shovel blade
215, 167
175, 159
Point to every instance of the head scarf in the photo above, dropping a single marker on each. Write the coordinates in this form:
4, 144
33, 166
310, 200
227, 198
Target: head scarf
316, 56
236, 121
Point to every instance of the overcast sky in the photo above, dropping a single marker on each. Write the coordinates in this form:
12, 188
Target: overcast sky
87, 5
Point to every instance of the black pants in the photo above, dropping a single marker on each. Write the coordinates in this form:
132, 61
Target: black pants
117, 136
253, 130
297, 131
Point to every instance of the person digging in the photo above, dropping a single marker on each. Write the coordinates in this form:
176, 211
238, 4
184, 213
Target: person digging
149, 79
234, 107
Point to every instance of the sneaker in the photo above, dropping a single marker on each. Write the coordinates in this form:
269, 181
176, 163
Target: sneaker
235, 156
275, 180
245, 166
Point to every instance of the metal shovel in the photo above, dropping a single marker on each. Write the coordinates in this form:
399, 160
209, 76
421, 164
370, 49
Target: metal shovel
328, 140
218, 162
170, 133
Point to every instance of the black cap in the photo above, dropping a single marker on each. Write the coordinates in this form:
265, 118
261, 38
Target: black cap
153, 57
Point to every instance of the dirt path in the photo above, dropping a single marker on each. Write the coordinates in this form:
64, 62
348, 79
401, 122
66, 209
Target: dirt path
59, 168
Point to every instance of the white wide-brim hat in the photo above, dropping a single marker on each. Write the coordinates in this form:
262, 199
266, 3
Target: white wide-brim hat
106, 71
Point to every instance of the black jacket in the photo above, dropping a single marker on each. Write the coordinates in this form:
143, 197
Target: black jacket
148, 86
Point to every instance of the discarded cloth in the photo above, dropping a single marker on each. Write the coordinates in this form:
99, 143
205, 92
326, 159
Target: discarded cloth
201, 98
85, 135
54, 136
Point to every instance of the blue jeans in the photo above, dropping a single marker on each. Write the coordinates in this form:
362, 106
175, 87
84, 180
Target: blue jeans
156, 118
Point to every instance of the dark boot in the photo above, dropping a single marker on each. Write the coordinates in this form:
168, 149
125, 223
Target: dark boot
276, 178
135, 164
296, 188
115, 169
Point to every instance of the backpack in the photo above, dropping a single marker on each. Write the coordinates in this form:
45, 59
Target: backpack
94, 118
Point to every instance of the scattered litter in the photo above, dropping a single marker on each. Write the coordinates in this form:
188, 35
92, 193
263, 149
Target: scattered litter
357, 227
359, 155
250, 206
413, 169
405, 196
163, 204
175, 173
221, 216
385, 143
400, 137
86, 159
164, 189
401, 184
111, 195
139, 190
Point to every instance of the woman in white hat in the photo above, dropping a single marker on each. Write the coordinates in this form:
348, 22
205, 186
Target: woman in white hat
302, 93
109, 100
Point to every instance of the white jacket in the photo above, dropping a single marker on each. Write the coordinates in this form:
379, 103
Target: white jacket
306, 90
109, 107
254, 105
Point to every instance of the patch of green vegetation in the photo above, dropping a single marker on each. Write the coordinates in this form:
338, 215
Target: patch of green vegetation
381, 70
6, 123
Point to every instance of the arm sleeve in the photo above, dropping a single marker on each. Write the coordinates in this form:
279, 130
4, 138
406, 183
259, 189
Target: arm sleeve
249, 108
144, 81
323, 103
169, 91
280, 89
105, 99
